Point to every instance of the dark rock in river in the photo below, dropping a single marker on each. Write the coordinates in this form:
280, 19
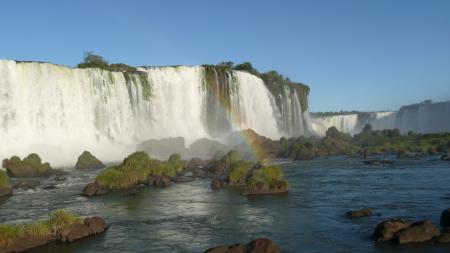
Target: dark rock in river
421, 231
49, 187
94, 189
445, 157
386, 230
90, 226
360, 213
445, 218
378, 162
261, 245
87, 161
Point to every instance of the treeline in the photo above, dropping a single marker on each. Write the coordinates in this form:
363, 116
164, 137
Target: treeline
368, 142
91, 60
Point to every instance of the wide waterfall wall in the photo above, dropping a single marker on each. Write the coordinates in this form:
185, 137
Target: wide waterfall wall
353, 123
426, 117
58, 111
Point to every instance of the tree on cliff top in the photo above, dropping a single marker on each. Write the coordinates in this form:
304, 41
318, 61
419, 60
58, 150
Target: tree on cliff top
92, 60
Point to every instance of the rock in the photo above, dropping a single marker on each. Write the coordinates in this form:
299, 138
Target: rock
27, 184
261, 245
94, 189
445, 157
360, 213
76, 231
59, 178
49, 187
385, 231
378, 162
87, 161
161, 181
30, 166
90, 226
421, 231
445, 218
5, 191
218, 183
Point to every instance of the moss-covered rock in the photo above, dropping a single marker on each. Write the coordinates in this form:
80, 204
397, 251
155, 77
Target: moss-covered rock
137, 168
5, 185
265, 180
87, 161
61, 226
30, 166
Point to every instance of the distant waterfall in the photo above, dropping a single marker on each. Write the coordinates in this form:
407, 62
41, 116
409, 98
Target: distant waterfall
58, 111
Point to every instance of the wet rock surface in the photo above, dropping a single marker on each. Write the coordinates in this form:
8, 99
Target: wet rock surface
261, 245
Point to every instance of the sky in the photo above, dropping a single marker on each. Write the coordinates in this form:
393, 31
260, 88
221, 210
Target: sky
354, 54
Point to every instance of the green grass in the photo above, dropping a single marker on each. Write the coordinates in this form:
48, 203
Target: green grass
137, 168
239, 171
58, 222
4, 179
32, 161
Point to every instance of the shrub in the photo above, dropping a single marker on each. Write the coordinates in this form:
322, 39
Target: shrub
239, 171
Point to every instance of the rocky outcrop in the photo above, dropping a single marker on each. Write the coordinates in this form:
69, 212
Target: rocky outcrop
261, 245
421, 231
445, 157
360, 213
24, 241
88, 161
386, 230
30, 166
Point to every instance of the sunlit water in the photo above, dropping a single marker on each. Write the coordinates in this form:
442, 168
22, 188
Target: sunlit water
191, 217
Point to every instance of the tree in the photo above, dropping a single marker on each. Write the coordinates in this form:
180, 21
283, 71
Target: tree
92, 60
226, 64
246, 66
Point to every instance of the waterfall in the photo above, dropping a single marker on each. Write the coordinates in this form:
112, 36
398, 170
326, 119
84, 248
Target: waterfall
59, 111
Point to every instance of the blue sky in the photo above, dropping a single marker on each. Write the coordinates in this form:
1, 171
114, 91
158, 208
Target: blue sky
354, 54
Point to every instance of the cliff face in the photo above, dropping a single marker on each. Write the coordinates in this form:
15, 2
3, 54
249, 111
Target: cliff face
62, 111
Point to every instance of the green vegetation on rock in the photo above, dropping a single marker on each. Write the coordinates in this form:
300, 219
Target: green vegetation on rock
138, 168
30, 166
59, 221
4, 179
267, 177
87, 161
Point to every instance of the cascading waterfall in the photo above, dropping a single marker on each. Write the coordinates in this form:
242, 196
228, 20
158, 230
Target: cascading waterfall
58, 111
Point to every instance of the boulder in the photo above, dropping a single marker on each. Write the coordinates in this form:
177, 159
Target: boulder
87, 161
386, 230
360, 213
421, 231
261, 245
90, 226
445, 218
218, 183
5, 191
94, 189
445, 157
161, 181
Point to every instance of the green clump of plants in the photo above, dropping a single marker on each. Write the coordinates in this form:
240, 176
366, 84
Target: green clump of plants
30, 166
58, 222
239, 171
88, 161
136, 169
270, 177
4, 179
